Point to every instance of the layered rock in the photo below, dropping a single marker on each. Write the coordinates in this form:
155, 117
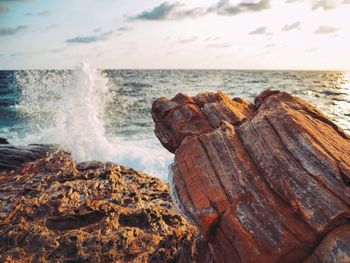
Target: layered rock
57, 210
267, 182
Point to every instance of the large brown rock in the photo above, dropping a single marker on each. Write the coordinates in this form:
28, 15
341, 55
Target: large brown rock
264, 183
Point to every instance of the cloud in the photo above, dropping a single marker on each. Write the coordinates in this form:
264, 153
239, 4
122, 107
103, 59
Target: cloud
7, 31
322, 4
40, 13
326, 30
90, 39
325, 4
168, 11
212, 39
4, 9
293, 26
174, 11
264, 53
124, 28
58, 50
12, 55
259, 31
224, 7
160, 12
52, 26
188, 40
220, 45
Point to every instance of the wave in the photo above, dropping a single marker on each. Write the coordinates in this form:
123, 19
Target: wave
69, 109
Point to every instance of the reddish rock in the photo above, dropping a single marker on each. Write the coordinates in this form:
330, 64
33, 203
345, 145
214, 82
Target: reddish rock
177, 119
335, 247
263, 183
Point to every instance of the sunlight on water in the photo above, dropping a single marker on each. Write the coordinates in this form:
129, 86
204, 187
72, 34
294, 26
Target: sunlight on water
337, 100
342, 111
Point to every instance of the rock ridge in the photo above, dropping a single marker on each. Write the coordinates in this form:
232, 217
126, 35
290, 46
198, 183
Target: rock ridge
267, 182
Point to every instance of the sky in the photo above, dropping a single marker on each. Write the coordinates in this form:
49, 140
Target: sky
191, 34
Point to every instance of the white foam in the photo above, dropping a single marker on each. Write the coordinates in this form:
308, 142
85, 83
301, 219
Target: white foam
67, 109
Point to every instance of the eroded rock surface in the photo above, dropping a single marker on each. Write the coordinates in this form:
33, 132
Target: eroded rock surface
57, 210
267, 182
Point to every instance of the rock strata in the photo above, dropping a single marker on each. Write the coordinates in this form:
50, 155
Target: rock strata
58, 210
263, 182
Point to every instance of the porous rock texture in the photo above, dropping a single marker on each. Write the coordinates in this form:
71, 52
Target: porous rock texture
58, 210
263, 182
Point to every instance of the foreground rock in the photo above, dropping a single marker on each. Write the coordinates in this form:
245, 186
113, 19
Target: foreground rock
3, 141
12, 157
57, 210
267, 182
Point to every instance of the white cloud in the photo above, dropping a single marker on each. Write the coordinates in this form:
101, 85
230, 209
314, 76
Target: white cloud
90, 39
326, 30
40, 13
188, 40
220, 45
293, 26
175, 11
6, 31
321, 4
259, 31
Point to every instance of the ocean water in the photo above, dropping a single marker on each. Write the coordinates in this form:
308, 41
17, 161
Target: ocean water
105, 115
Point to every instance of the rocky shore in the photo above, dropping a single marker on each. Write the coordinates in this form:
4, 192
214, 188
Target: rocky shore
266, 182
57, 210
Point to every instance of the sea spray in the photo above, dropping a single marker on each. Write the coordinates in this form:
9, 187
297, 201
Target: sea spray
78, 119
69, 109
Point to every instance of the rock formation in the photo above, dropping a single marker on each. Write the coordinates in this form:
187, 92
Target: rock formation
263, 182
3, 141
12, 157
57, 210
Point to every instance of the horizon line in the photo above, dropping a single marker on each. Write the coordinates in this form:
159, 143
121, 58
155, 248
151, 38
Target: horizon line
187, 69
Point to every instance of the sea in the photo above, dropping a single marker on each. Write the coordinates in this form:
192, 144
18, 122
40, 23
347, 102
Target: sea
105, 114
